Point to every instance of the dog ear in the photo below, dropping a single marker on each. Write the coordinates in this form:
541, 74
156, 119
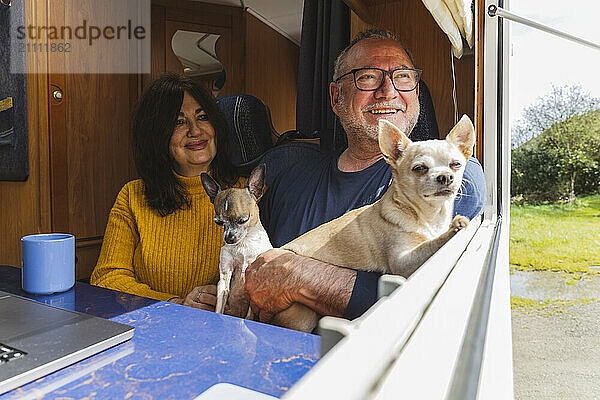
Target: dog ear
463, 136
392, 141
210, 186
256, 182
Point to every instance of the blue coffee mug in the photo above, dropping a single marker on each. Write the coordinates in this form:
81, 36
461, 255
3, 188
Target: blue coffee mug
48, 263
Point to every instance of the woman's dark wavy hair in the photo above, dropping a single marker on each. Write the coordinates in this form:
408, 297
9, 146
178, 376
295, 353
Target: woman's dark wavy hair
153, 124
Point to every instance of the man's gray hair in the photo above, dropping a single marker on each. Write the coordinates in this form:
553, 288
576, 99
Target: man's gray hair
375, 33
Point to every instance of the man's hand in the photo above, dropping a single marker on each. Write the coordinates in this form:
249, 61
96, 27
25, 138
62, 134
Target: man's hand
202, 297
271, 282
278, 278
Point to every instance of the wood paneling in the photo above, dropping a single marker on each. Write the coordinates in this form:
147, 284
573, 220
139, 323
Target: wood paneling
237, 73
430, 47
197, 12
272, 71
87, 252
200, 14
98, 142
26, 205
158, 43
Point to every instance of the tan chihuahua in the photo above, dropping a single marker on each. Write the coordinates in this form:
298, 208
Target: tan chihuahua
236, 210
400, 231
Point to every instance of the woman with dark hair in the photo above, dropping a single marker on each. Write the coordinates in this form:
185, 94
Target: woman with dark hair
161, 241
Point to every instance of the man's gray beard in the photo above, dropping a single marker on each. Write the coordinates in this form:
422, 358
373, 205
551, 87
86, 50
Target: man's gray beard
361, 131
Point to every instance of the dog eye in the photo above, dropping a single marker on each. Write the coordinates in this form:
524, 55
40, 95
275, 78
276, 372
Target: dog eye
420, 168
218, 221
243, 220
455, 164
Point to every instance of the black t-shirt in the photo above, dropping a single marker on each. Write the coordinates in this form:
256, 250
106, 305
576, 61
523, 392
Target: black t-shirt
317, 192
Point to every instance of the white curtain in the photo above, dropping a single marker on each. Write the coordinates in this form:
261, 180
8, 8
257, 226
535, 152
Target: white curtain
456, 20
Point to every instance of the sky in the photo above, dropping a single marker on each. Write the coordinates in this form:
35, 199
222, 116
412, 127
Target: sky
539, 59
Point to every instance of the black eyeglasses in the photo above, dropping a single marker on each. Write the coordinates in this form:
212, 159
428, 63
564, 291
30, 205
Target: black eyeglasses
369, 79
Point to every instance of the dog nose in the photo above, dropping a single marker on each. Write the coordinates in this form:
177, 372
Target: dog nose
229, 238
445, 179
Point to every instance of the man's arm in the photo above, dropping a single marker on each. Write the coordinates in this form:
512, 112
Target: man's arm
278, 278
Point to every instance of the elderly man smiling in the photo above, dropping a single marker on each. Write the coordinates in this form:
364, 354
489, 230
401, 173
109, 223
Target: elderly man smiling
374, 78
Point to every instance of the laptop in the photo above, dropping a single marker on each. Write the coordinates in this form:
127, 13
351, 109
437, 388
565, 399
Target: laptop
37, 339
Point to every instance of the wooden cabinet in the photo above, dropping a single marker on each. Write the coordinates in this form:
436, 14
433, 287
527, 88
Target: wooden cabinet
90, 156
90, 148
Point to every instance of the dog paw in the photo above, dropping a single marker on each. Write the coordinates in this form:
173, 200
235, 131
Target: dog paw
459, 222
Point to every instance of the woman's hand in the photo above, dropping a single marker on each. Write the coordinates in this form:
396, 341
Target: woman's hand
202, 297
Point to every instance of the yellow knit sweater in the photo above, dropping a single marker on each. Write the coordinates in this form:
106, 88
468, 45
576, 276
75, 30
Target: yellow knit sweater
159, 257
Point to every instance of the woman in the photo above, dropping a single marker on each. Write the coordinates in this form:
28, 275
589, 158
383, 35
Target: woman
161, 241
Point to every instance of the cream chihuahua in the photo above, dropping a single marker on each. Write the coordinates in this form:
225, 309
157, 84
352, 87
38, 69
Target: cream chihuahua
245, 238
411, 221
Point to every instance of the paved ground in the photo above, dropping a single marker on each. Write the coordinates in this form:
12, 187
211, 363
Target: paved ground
556, 346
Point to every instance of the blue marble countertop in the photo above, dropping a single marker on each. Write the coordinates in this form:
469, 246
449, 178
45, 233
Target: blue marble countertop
177, 352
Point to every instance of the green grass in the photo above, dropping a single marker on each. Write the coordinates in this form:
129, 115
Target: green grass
546, 308
557, 237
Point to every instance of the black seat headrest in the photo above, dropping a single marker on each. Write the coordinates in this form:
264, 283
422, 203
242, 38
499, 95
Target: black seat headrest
426, 127
250, 128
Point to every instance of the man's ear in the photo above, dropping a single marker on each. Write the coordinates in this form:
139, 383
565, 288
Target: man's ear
334, 93
392, 141
256, 182
210, 186
463, 136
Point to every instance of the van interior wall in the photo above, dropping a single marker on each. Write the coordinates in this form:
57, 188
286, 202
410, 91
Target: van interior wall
272, 71
431, 50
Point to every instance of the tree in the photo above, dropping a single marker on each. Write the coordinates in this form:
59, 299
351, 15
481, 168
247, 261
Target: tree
562, 103
576, 142
560, 163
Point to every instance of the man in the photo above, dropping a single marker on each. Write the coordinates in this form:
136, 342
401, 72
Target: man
323, 188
